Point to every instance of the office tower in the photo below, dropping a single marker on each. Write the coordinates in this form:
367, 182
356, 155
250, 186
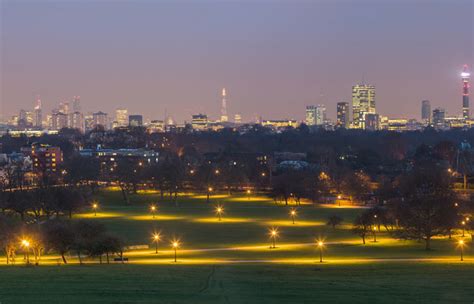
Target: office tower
426, 112
121, 117
199, 121
89, 122
100, 119
76, 104
135, 120
342, 118
315, 115
59, 121
224, 117
363, 102
320, 115
465, 92
64, 107
76, 121
439, 118
38, 114
310, 115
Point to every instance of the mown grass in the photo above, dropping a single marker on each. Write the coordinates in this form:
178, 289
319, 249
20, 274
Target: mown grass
379, 283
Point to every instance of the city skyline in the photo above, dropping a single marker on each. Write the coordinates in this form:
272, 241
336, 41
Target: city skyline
272, 69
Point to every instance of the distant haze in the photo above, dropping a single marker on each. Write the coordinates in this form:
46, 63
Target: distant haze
274, 57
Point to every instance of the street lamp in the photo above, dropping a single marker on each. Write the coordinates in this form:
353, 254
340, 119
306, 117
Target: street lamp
219, 211
320, 246
217, 171
375, 234
156, 238
463, 223
248, 194
209, 190
175, 244
293, 214
461, 245
26, 244
153, 210
273, 236
94, 207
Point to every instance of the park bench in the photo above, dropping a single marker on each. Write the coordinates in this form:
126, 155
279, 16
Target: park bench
119, 259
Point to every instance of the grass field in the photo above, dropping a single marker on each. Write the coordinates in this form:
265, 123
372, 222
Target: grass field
230, 261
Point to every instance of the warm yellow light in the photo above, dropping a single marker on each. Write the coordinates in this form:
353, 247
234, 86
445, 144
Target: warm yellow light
320, 243
375, 228
339, 196
293, 212
248, 191
175, 244
153, 208
463, 223
274, 232
210, 189
217, 171
94, 206
263, 174
192, 171
461, 242
467, 219
156, 236
25, 243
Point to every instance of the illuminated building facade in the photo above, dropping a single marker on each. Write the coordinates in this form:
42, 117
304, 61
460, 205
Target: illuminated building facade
363, 102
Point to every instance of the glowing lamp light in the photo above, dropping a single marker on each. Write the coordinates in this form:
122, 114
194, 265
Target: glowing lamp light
25, 243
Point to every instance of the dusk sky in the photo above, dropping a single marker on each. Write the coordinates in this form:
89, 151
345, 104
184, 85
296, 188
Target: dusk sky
274, 57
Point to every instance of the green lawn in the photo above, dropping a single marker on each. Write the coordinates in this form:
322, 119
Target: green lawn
381, 283
230, 261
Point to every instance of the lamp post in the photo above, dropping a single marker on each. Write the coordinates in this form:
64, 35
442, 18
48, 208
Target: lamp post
248, 194
375, 234
219, 211
209, 190
94, 207
320, 246
293, 214
273, 236
463, 223
156, 239
26, 245
153, 210
461, 245
175, 245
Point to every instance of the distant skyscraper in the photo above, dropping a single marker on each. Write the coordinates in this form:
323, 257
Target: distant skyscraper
100, 119
224, 117
439, 118
342, 119
315, 115
59, 121
465, 92
426, 112
76, 104
76, 121
310, 115
64, 107
121, 117
135, 120
363, 102
38, 114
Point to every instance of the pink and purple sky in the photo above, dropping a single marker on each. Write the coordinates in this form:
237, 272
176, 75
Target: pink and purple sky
274, 57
